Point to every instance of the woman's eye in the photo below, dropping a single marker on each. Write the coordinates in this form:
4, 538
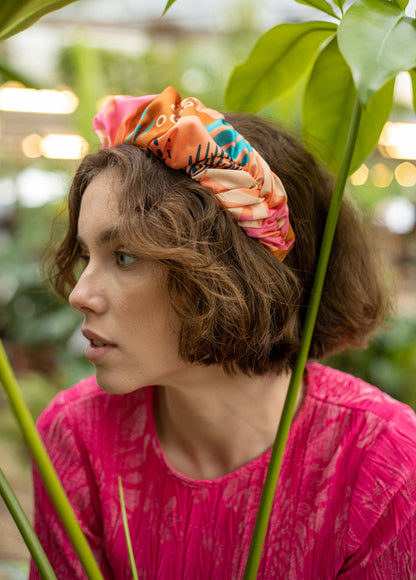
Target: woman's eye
125, 259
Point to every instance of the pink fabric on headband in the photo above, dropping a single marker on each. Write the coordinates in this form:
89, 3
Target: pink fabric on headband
188, 136
111, 119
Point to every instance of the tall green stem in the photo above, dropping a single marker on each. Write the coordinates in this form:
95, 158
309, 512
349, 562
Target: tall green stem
127, 532
26, 530
270, 483
46, 469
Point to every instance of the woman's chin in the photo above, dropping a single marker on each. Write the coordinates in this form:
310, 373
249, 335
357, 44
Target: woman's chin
113, 384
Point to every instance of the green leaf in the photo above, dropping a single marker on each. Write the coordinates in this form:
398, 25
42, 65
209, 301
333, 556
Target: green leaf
26, 531
322, 5
413, 77
15, 16
168, 5
339, 3
327, 108
401, 4
287, 108
377, 41
279, 58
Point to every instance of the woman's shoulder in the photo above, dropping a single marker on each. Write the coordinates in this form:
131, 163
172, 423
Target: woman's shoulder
376, 432
372, 428
333, 387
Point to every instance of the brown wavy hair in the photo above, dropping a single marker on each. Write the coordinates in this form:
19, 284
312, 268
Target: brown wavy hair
238, 306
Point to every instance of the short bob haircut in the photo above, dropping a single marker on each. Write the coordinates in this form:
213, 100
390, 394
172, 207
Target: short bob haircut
238, 306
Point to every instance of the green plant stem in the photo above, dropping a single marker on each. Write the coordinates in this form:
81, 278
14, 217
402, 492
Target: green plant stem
270, 483
25, 529
127, 532
46, 469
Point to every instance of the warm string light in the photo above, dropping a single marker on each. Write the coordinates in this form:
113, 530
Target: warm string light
381, 175
397, 213
359, 177
44, 101
405, 174
398, 140
55, 146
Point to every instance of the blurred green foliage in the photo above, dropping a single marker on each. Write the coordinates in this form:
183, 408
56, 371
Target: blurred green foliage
194, 63
389, 362
29, 313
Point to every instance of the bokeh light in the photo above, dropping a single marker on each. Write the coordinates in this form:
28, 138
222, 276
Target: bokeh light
50, 102
405, 174
397, 214
398, 140
360, 176
64, 147
381, 175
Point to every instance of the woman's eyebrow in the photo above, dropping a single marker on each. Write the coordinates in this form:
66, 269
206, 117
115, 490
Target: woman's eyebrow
110, 234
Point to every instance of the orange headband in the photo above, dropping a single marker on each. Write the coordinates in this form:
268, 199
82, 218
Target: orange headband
187, 136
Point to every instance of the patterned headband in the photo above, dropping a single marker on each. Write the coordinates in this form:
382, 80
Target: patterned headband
190, 137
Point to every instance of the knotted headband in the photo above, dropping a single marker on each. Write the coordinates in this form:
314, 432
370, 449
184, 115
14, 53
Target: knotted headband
190, 137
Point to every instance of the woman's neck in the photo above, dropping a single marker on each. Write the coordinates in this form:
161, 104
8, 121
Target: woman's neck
217, 422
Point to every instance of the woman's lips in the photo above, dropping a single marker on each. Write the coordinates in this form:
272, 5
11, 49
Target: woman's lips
95, 353
98, 346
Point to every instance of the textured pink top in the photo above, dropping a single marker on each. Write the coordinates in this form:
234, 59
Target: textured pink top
345, 504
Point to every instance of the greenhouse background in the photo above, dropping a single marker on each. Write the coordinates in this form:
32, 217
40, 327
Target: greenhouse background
74, 59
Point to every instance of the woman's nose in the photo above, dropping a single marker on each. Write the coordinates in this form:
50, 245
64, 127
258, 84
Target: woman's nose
88, 294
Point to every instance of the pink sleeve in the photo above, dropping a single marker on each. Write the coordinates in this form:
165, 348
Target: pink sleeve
382, 526
71, 464
392, 551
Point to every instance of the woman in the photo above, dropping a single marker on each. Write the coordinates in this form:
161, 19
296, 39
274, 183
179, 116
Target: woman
198, 238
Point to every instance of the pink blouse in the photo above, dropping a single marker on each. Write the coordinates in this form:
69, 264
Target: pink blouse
345, 504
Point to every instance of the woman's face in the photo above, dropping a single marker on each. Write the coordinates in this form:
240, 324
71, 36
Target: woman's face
131, 328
